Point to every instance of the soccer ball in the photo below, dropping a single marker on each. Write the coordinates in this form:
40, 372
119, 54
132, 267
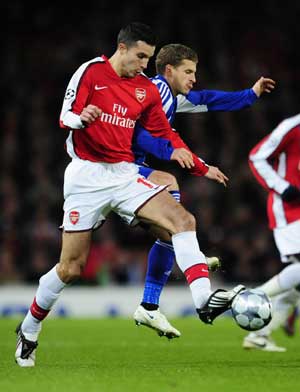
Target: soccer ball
252, 309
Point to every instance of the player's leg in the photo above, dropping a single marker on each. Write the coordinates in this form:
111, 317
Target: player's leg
85, 208
287, 240
161, 255
283, 286
287, 279
75, 248
160, 263
261, 339
289, 326
163, 211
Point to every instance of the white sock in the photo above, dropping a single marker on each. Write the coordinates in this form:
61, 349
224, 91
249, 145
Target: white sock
287, 279
47, 293
188, 255
271, 287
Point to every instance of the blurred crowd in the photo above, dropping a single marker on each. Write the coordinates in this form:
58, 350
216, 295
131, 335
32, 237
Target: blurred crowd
44, 46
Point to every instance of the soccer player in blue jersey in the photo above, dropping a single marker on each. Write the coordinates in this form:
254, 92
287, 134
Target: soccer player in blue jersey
176, 74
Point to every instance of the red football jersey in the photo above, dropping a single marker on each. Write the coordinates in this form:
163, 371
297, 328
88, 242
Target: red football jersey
123, 102
275, 162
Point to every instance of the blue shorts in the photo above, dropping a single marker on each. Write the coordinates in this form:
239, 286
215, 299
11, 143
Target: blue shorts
145, 171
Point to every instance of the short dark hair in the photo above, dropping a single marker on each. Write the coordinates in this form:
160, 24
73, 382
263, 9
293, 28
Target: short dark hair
137, 31
173, 54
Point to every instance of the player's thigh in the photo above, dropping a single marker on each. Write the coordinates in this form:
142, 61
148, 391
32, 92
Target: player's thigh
158, 232
165, 212
75, 247
162, 178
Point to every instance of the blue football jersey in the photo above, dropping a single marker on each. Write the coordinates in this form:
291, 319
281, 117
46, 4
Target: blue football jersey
194, 102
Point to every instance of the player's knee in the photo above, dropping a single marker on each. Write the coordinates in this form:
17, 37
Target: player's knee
173, 182
185, 221
70, 270
164, 178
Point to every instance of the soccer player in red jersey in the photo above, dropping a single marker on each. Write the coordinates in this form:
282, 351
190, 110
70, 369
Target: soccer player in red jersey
104, 99
275, 163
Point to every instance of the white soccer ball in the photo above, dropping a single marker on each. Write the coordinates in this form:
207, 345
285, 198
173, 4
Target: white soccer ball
252, 309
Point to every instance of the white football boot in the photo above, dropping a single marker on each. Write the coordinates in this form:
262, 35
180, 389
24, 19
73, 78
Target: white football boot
26, 347
263, 343
156, 320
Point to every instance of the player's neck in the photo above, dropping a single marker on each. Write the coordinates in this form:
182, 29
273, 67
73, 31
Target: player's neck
170, 83
116, 64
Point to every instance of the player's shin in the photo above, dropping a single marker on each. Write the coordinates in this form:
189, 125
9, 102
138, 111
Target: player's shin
193, 264
50, 287
160, 263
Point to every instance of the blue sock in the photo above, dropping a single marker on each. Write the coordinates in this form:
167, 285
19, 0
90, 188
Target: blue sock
160, 263
176, 195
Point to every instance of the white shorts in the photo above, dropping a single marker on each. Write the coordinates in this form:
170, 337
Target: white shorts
287, 240
92, 190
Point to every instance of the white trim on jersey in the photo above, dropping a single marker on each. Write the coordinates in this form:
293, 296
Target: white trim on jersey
277, 207
166, 96
274, 180
70, 146
186, 106
278, 211
68, 118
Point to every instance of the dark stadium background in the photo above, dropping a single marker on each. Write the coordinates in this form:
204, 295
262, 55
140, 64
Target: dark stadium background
43, 44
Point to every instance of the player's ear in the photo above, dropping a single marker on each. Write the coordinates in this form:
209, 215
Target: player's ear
122, 47
168, 69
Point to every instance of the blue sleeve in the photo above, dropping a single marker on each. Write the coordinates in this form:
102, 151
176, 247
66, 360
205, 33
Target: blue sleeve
144, 142
216, 100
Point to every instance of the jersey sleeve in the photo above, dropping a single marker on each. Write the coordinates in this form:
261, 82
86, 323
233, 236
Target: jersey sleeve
75, 99
262, 155
215, 100
156, 146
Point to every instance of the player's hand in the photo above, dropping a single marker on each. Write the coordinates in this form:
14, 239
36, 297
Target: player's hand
263, 85
214, 173
90, 114
183, 157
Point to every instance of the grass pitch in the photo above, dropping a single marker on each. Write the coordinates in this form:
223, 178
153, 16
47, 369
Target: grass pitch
115, 355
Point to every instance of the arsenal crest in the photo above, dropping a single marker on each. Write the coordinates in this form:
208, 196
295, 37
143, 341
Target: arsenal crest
140, 94
74, 217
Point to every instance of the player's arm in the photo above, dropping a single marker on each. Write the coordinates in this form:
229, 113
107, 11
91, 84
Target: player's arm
216, 100
160, 148
76, 113
260, 158
155, 121
156, 146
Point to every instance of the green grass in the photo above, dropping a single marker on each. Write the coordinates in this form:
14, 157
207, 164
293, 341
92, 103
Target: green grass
114, 355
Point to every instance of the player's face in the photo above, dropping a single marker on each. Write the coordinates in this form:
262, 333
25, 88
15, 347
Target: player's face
135, 59
183, 77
